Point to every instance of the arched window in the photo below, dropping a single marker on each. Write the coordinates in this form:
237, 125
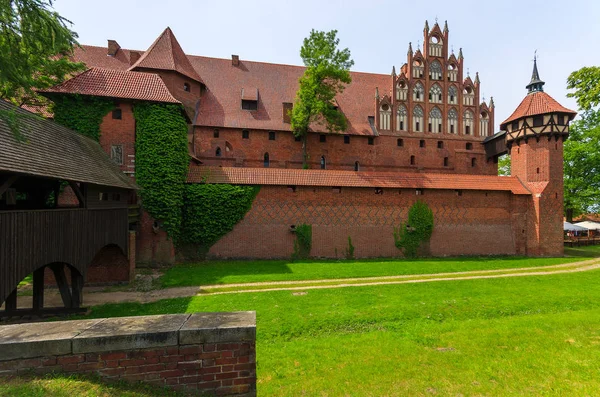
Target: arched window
468, 122
385, 114
435, 121
418, 119
468, 96
435, 94
418, 92
435, 71
401, 118
452, 72
323, 164
218, 152
435, 46
267, 162
412, 160
417, 69
452, 95
186, 87
484, 124
356, 166
452, 121
401, 91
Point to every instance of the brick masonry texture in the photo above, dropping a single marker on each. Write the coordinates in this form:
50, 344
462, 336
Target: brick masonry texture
212, 354
495, 220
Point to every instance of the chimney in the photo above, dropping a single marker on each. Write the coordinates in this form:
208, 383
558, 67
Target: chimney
235, 60
113, 47
134, 56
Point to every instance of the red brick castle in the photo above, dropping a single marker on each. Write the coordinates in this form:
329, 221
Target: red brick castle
421, 133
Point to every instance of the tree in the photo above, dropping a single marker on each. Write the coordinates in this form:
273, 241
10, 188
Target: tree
35, 45
326, 75
504, 165
582, 149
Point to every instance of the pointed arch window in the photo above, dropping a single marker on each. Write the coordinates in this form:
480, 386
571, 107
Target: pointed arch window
484, 123
418, 119
468, 123
418, 92
218, 152
266, 161
356, 166
401, 91
435, 71
435, 46
452, 72
435, 121
435, 94
401, 118
385, 115
452, 121
452, 95
323, 162
417, 69
468, 96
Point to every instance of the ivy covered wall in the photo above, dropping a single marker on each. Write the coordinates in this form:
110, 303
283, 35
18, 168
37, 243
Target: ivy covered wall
83, 114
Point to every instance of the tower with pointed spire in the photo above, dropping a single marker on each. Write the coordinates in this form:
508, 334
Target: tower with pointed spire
535, 133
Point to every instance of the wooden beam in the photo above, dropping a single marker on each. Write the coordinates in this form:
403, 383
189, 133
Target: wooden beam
78, 193
38, 288
63, 286
8, 183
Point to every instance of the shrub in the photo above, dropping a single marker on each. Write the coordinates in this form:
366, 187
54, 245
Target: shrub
415, 234
303, 242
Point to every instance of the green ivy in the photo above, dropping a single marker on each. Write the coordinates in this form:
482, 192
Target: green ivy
161, 162
349, 249
83, 114
412, 236
211, 211
303, 242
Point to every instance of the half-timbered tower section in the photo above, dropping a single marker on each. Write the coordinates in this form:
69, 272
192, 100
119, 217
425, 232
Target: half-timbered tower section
38, 160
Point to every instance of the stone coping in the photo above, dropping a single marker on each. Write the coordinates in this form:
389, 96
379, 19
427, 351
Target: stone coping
21, 341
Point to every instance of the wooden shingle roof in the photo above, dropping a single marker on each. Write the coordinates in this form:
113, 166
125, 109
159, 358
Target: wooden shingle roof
47, 149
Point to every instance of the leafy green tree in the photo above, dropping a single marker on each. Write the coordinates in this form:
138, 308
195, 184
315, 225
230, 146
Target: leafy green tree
327, 74
582, 149
35, 45
504, 165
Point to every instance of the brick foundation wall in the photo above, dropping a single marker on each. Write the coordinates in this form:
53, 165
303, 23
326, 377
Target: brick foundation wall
210, 353
465, 222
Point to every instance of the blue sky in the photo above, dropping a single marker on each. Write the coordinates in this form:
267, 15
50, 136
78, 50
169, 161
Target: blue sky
498, 37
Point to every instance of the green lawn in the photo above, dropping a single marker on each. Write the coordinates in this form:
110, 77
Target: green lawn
231, 272
530, 336
76, 386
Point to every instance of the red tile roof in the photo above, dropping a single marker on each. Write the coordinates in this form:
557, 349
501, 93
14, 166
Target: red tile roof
41, 110
334, 178
536, 103
221, 103
166, 54
116, 84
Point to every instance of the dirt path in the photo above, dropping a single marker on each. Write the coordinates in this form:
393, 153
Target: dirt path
91, 298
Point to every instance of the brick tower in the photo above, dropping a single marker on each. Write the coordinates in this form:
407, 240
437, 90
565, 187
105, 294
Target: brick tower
535, 133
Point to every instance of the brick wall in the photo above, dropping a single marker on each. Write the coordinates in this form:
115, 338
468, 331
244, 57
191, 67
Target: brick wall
383, 155
466, 222
211, 353
120, 132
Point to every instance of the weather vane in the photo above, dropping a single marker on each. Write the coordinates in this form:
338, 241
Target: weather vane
452, 48
436, 19
468, 72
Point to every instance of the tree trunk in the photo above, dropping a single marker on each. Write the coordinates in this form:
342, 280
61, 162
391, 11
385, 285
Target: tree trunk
304, 152
569, 212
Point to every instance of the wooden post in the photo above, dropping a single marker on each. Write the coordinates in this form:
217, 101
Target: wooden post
76, 288
38, 288
11, 302
61, 279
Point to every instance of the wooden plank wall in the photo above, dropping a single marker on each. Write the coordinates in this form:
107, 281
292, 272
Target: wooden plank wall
31, 239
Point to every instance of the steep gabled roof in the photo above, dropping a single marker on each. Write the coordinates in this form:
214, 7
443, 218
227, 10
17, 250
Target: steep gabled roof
537, 103
53, 151
334, 178
166, 54
116, 84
